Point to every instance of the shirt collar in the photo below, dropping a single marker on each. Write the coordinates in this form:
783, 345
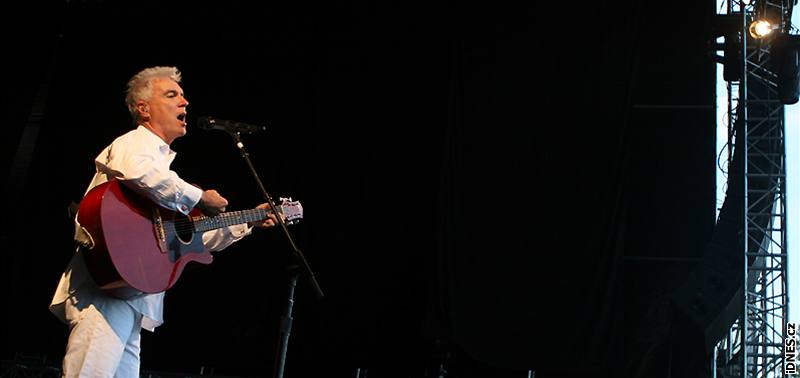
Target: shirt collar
155, 139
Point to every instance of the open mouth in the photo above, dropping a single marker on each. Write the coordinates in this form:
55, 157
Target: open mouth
182, 117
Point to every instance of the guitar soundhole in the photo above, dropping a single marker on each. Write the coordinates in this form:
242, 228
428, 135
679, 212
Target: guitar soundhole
184, 229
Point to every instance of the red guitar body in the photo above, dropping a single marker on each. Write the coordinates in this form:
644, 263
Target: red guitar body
137, 246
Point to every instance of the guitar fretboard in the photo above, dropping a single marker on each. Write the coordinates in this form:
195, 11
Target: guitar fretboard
205, 223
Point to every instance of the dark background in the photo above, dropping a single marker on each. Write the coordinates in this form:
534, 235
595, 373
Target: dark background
488, 188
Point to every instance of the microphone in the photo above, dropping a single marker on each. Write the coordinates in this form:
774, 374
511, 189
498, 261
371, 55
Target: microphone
233, 127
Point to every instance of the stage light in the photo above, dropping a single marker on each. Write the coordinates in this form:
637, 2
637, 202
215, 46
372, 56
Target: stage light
761, 28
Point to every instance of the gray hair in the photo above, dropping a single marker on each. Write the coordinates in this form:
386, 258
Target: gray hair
139, 86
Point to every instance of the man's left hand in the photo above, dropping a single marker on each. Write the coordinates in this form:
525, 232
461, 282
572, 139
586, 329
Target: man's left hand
269, 221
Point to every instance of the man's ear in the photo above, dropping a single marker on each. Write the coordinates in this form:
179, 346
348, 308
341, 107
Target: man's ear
144, 111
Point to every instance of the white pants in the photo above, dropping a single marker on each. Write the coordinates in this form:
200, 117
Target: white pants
104, 338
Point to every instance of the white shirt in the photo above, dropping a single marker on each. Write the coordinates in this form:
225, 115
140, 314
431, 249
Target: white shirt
141, 160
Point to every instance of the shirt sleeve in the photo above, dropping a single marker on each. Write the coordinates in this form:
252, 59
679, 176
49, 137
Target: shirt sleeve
220, 239
144, 170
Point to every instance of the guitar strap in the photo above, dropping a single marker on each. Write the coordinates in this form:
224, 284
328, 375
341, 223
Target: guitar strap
82, 235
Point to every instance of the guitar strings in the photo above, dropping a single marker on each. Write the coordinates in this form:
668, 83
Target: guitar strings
187, 224
219, 221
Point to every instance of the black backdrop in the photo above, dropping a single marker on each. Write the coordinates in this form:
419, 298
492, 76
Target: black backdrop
493, 188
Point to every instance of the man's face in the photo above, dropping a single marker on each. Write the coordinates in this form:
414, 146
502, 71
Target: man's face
167, 109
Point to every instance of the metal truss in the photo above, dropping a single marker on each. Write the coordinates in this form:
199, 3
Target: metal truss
759, 116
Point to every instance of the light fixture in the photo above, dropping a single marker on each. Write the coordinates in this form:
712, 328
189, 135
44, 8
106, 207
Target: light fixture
761, 28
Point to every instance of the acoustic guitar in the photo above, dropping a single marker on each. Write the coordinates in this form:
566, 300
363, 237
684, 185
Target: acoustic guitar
140, 247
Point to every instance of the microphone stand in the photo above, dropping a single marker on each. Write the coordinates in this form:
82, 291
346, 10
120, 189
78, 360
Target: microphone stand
294, 270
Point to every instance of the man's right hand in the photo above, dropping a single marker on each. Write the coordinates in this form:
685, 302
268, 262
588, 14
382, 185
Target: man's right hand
211, 203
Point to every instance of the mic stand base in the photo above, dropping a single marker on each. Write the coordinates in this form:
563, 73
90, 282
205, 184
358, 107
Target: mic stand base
286, 325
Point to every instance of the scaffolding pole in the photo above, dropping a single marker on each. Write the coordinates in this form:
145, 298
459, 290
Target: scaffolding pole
754, 345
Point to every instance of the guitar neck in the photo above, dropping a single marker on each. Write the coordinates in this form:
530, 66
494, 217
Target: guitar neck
204, 223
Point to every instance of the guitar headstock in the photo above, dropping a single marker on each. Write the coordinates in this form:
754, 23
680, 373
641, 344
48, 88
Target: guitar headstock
292, 210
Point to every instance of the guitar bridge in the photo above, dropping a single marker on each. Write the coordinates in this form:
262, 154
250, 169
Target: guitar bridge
158, 229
